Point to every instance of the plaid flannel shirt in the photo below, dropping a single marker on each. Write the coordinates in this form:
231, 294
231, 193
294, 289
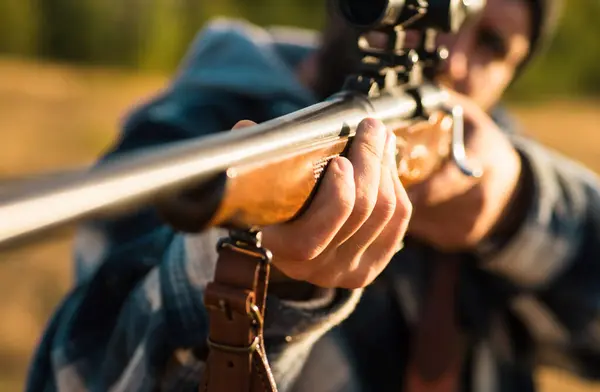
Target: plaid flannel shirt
135, 321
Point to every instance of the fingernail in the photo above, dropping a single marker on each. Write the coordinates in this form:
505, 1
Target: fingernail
343, 165
372, 125
243, 124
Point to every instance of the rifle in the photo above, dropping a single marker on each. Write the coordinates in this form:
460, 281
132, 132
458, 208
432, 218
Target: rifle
266, 174
389, 87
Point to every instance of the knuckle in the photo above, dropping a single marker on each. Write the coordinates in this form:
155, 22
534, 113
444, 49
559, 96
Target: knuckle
344, 194
364, 205
308, 250
355, 281
404, 204
367, 272
323, 277
299, 274
407, 209
355, 250
371, 122
404, 208
368, 148
356, 273
371, 135
289, 251
371, 129
386, 205
396, 239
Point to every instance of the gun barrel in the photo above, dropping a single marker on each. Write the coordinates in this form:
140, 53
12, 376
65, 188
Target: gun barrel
34, 206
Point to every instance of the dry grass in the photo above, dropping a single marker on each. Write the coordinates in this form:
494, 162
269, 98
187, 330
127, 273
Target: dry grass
54, 117
51, 117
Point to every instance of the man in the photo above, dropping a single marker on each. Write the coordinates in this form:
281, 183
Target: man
526, 234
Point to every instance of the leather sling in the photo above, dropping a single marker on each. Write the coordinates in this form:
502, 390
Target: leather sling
235, 301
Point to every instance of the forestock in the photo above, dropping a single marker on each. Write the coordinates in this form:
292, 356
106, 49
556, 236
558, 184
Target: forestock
278, 190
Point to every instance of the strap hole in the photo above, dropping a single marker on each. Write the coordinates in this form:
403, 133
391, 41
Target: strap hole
229, 364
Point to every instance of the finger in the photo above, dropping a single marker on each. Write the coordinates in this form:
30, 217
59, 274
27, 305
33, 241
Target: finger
243, 124
389, 242
431, 224
446, 183
330, 267
306, 237
366, 155
382, 213
347, 258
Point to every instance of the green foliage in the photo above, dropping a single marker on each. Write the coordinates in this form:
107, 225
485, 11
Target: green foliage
19, 22
154, 34
571, 65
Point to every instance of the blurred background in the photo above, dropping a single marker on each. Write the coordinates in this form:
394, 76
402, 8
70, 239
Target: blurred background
70, 69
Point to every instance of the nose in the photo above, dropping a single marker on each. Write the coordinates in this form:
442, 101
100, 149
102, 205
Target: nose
456, 67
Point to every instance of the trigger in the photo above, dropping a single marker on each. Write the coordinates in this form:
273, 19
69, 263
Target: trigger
457, 149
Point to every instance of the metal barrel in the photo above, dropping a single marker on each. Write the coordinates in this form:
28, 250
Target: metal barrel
32, 207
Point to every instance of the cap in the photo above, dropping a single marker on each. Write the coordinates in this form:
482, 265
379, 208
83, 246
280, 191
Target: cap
545, 15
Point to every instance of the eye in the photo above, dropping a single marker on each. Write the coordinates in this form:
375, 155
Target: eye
491, 40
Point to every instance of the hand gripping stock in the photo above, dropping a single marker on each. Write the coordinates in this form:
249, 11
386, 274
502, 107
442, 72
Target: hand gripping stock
237, 360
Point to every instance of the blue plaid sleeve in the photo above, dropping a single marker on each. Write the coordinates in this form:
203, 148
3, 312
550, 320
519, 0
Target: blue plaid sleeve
553, 261
138, 323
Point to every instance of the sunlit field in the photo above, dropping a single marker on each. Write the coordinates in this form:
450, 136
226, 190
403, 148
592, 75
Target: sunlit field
54, 117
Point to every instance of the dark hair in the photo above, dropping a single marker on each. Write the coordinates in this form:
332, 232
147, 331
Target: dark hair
545, 16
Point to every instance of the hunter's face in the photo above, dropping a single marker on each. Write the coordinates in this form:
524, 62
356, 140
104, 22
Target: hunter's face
484, 55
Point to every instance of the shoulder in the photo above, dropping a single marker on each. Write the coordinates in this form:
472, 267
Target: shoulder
506, 120
276, 34
219, 28
236, 36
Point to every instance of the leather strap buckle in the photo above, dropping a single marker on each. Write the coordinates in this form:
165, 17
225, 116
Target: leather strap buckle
247, 242
235, 349
257, 323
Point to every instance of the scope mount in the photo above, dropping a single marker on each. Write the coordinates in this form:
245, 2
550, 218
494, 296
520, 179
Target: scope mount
395, 65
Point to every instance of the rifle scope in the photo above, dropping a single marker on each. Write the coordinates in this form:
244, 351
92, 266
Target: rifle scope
441, 15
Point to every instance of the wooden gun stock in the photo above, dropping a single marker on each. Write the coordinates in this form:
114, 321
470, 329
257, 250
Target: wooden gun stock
278, 190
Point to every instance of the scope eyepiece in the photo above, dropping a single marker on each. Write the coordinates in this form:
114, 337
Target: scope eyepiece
369, 14
442, 15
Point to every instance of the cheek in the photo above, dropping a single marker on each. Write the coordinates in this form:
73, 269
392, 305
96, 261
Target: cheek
488, 83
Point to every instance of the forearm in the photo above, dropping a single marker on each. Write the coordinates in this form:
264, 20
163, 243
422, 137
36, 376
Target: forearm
552, 258
539, 234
